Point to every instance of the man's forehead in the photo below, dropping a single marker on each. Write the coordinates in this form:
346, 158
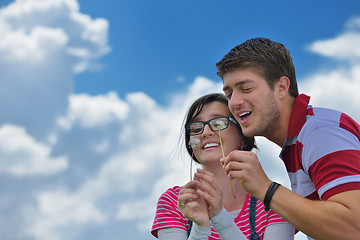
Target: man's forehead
239, 76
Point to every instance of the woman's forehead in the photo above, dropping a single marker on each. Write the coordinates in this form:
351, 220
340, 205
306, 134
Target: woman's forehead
214, 109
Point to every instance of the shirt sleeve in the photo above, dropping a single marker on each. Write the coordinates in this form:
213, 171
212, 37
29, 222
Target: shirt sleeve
279, 231
167, 213
199, 233
172, 233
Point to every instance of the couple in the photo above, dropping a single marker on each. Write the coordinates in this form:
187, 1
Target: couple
320, 149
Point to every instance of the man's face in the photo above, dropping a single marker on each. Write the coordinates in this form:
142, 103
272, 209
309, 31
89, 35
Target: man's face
252, 102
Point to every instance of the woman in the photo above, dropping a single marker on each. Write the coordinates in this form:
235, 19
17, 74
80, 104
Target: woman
216, 207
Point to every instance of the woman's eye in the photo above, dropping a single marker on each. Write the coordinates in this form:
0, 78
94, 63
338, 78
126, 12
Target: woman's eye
220, 124
198, 129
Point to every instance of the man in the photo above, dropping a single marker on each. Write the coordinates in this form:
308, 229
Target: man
320, 147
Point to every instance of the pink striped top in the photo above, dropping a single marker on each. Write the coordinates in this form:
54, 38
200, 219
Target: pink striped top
168, 215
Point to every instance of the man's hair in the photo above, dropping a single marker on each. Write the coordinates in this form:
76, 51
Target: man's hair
268, 58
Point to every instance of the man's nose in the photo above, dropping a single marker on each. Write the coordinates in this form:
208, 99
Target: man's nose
236, 100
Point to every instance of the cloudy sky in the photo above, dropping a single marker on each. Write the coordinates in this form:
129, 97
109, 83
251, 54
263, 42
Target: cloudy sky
93, 94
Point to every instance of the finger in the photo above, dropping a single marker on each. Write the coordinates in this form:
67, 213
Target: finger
234, 166
200, 170
206, 196
185, 197
208, 183
206, 176
204, 186
188, 185
187, 190
192, 205
182, 203
188, 196
212, 191
222, 161
214, 202
237, 156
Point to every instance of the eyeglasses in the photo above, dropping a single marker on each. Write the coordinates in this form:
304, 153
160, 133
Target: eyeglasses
215, 124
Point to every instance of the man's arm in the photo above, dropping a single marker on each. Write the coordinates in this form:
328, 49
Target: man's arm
336, 218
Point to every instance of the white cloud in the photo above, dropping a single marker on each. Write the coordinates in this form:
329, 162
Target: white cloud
344, 47
24, 21
353, 24
37, 45
57, 210
22, 156
338, 88
91, 111
43, 43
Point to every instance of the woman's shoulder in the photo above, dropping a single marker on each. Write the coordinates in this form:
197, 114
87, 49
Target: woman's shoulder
167, 203
171, 194
173, 190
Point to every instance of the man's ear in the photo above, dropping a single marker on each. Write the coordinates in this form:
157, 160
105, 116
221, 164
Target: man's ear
283, 86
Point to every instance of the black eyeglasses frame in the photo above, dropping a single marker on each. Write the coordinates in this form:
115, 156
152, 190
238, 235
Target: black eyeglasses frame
187, 126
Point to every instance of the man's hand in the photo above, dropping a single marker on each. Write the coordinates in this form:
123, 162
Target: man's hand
245, 166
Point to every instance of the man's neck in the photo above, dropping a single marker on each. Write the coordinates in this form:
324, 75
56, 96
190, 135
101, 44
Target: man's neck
279, 135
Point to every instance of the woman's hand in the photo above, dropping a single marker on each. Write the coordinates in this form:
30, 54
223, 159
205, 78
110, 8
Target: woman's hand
245, 166
193, 206
208, 189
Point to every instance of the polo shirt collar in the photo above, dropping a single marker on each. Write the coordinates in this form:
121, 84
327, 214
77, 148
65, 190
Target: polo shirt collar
298, 115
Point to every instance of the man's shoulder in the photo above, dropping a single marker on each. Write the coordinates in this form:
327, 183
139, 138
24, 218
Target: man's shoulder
317, 117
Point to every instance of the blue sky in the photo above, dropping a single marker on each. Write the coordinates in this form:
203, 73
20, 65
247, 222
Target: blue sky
156, 42
92, 97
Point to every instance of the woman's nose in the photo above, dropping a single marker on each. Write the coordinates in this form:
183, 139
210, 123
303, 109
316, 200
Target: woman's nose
207, 130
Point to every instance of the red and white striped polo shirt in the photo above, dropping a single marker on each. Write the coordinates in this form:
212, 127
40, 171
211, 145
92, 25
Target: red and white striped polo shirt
322, 151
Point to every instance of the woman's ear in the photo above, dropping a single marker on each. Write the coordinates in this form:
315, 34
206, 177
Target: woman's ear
283, 86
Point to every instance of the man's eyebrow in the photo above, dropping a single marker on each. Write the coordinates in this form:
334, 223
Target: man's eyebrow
225, 88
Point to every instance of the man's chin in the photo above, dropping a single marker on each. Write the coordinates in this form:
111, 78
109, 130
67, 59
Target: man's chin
248, 132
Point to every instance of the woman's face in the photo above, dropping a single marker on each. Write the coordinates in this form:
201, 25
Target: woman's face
209, 150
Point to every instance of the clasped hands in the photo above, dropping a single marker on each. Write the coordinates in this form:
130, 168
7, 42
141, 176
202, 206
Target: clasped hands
201, 199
